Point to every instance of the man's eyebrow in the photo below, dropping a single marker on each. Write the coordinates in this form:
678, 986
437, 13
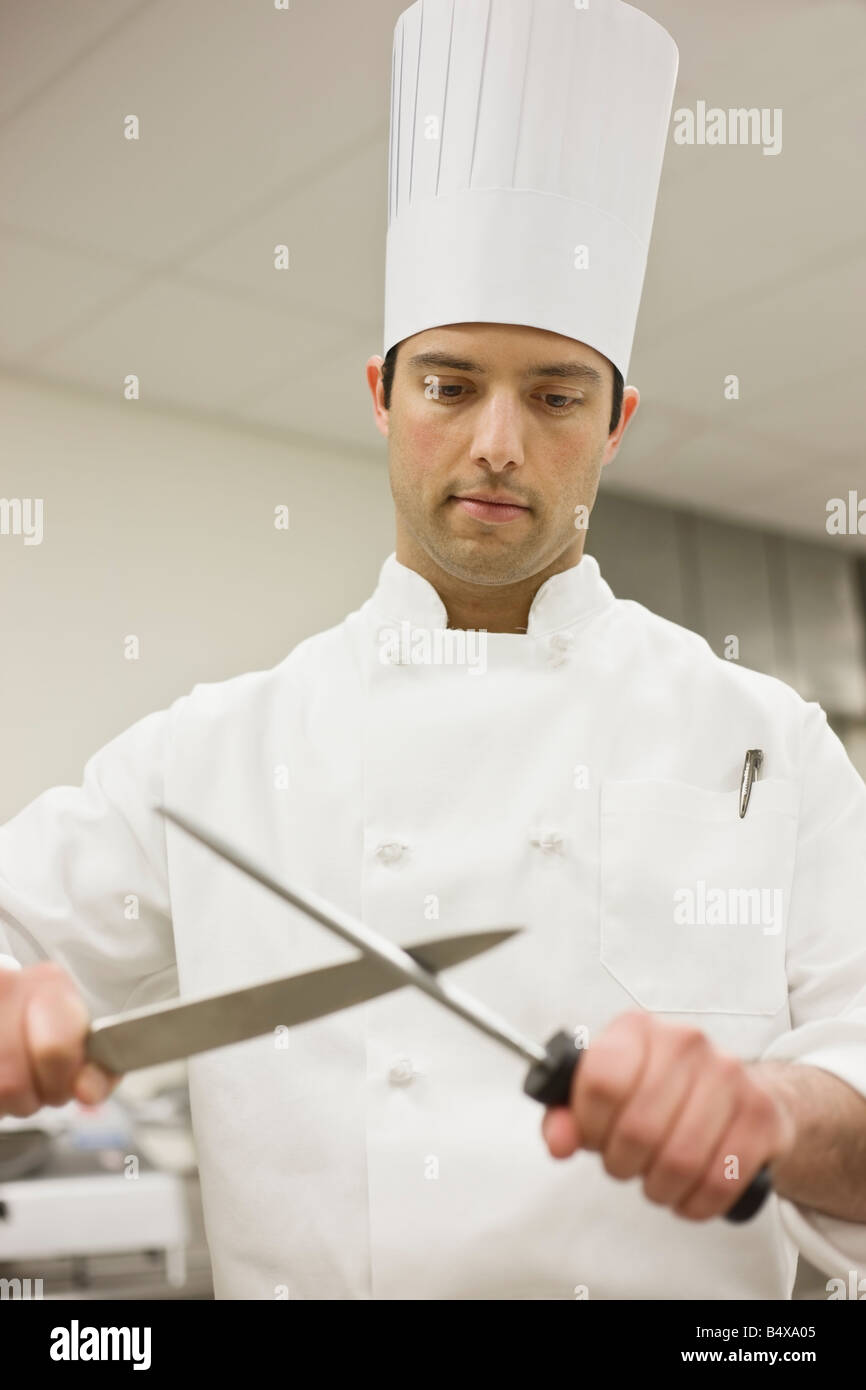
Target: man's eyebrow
576, 370
444, 359
582, 370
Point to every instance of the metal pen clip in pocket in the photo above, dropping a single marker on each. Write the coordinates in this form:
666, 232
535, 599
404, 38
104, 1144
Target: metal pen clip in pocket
751, 767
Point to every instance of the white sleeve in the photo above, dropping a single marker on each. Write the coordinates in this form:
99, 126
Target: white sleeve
83, 876
826, 960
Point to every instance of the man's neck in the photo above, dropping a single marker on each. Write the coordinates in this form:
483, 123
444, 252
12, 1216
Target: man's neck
494, 607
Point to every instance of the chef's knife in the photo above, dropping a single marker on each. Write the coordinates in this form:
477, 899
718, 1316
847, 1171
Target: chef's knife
166, 1032
552, 1067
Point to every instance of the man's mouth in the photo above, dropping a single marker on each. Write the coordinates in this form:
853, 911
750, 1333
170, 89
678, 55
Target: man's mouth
487, 509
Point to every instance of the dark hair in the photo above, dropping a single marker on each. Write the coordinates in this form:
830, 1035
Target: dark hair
390, 363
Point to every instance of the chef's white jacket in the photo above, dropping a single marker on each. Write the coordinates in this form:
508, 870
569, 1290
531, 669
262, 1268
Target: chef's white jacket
577, 784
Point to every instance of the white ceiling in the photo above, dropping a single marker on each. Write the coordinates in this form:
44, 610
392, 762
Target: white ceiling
261, 126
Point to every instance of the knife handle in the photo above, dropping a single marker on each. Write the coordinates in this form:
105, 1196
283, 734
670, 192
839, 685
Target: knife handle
549, 1082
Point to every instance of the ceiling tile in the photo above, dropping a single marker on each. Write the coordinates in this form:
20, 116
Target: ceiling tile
328, 399
334, 227
40, 41
188, 347
235, 103
71, 288
263, 126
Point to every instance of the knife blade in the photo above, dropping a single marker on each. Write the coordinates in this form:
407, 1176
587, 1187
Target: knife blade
552, 1067
166, 1032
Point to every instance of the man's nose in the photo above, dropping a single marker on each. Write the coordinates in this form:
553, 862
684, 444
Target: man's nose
498, 437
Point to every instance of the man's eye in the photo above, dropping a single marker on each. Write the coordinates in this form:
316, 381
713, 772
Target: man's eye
453, 391
436, 390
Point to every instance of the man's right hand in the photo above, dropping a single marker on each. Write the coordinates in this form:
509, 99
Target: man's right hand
43, 1024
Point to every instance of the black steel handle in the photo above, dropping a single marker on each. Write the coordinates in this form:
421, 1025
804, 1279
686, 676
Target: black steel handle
549, 1082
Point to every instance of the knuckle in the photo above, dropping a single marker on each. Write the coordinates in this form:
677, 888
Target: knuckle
637, 1133
637, 1018
718, 1189
48, 970
598, 1085
53, 1050
612, 1164
689, 1040
692, 1211
728, 1069
642, 1023
12, 1071
654, 1192
16, 1096
633, 1022
676, 1166
56, 1093
25, 1105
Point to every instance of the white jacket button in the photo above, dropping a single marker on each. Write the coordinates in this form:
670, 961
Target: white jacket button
402, 1072
390, 654
560, 648
551, 842
391, 851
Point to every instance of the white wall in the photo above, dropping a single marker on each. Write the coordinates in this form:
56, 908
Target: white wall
158, 525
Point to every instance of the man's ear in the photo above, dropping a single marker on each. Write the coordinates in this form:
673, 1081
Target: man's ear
630, 403
377, 391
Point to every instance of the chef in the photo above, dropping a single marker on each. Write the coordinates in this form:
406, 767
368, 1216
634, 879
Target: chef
701, 930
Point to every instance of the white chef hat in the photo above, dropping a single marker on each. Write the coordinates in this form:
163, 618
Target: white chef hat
527, 139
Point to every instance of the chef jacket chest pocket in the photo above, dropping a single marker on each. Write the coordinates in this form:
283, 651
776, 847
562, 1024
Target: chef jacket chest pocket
693, 898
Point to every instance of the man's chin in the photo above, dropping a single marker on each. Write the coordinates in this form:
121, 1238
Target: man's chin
483, 559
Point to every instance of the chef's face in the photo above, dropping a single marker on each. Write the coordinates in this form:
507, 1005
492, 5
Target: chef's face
497, 435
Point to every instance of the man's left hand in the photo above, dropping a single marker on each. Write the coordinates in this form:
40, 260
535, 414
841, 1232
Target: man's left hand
659, 1101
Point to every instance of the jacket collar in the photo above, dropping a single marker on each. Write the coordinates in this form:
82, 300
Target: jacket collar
563, 600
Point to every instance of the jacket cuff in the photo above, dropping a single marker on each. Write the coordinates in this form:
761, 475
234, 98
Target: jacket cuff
835, 1246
